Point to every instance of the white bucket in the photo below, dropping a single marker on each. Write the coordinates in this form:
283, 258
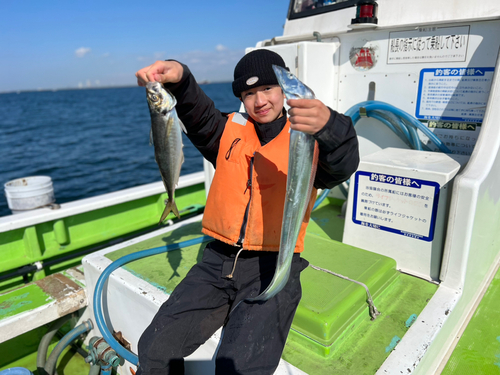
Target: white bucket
29, 193
16, 371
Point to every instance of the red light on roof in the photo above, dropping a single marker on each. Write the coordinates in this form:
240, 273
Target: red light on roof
366, 13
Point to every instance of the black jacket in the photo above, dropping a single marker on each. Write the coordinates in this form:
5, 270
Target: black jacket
338, 144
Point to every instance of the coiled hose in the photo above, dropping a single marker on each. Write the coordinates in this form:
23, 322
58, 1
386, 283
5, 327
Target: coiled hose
404, 125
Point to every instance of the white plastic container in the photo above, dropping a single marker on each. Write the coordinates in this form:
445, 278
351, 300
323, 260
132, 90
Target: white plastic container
29, 193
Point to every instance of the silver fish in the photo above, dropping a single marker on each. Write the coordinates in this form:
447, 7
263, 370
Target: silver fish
166, 137
301, 172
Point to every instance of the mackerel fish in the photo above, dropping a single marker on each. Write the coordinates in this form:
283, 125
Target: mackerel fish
302, 161
166, 137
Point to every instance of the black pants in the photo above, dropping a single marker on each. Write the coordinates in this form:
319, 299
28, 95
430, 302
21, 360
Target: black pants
254, 334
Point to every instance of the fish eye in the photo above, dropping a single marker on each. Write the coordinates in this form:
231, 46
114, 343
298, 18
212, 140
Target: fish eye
154, 98
290, 75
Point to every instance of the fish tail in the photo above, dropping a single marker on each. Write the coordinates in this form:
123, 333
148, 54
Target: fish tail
175, 210
170, 206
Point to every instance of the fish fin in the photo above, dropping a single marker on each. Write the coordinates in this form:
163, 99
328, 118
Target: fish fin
151, 137
314, 168
170, 206
175, 210
180, 166
169, 119
174, 99
183, 127
178, 171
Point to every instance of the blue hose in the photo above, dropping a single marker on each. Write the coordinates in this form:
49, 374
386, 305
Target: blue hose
401, 123
100, 322
321, 198
405, 119
404, 136
71, 336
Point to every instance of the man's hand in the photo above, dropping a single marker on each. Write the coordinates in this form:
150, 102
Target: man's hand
308, 115
160, 71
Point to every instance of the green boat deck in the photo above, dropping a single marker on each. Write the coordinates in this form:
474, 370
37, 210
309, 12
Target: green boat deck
332, 331
74, 236
478, 350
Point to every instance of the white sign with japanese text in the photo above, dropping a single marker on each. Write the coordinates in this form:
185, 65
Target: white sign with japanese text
402, 205
453, 94
428, 44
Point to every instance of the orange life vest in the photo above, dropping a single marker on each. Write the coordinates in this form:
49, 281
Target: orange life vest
248, 174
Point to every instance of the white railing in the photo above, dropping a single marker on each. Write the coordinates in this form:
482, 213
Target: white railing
41, 215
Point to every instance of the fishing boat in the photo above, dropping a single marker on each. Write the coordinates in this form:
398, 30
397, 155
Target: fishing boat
405, 256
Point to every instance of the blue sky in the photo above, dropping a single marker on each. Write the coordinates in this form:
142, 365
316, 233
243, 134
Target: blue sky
66, 44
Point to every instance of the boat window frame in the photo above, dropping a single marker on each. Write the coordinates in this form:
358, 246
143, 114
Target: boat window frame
312, 12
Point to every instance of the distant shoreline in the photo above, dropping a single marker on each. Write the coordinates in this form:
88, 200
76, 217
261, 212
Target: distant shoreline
92, 88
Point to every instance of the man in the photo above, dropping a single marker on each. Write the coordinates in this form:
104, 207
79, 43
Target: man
243, 214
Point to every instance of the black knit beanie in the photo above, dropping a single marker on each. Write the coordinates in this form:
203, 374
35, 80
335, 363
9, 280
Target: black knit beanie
255, 69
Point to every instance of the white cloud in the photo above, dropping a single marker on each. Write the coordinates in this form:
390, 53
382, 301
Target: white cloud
159, 55
82, 51
215, 65
211, 65
152, 58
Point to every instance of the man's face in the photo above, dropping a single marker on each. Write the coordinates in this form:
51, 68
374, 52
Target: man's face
264, 103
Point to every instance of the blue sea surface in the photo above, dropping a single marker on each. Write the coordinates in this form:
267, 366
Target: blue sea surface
90, 142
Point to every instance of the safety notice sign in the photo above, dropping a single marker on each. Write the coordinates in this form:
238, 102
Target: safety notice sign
453, 94
428, 45
397, 204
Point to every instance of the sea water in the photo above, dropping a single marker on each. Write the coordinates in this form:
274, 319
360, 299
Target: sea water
90, 142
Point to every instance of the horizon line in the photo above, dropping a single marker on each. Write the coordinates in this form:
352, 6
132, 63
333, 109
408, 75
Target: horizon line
203, 82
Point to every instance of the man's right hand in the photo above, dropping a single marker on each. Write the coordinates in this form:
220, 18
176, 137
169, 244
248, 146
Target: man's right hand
160, 71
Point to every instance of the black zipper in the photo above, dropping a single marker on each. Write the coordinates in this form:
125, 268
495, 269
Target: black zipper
245, 217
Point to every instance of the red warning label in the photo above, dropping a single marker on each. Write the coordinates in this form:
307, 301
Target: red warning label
364, 59
364, 55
